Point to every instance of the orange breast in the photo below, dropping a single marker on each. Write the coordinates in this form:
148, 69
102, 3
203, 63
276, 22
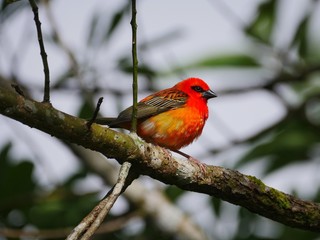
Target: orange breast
173, 129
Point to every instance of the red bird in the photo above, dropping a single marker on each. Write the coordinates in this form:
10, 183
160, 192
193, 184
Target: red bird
171, 118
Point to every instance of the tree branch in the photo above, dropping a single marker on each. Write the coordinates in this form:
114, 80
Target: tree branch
226, 184
110, 226
181, 225
46, 97
134, 66
88, 226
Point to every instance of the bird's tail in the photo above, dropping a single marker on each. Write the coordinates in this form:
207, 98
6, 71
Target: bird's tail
106, 121
113, 123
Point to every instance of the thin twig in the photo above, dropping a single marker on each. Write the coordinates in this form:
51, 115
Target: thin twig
134, 67
59, 39
95, 114
35, 9
18, 89
110, 226
109, 200
87, 227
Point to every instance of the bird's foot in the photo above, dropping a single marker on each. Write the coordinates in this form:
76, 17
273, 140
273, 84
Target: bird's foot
201, 165
198, 163
168, 153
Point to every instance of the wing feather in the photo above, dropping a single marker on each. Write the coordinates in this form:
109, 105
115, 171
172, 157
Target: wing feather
154, 104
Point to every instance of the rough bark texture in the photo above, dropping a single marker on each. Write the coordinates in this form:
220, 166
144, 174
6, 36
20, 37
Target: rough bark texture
226, 184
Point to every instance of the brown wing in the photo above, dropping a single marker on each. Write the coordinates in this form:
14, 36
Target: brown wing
154, 104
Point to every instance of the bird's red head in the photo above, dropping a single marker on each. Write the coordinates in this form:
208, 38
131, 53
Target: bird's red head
196, 87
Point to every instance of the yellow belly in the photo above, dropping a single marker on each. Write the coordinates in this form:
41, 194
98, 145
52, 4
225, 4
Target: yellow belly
173, 129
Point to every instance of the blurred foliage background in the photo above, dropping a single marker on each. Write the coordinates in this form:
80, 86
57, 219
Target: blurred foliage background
272, 63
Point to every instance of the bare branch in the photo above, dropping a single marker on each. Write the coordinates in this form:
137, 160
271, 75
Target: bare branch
95, 114
35, 9
88, 226
134, 66
110, 226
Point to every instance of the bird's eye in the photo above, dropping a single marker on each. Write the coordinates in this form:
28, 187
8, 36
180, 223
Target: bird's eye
197, 88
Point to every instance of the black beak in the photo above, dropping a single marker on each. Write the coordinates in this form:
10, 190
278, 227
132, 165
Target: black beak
209, 94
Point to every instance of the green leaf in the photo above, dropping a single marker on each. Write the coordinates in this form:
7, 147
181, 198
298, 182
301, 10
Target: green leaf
80, 174
98, 34
61, 202
92, 36
116, 19
16, 181
301, 37
125, 65
262, 26
291, 233
291, 141
61, 81
173, 193
216, 206
157, 41
86, 110
10, 7
6, 3
236, 60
